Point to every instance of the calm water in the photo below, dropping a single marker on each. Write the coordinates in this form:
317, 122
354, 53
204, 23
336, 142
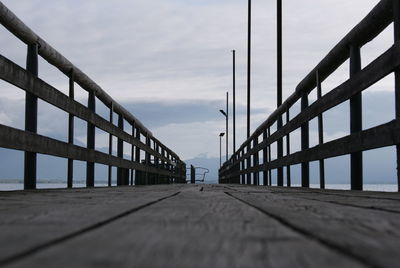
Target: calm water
367, 187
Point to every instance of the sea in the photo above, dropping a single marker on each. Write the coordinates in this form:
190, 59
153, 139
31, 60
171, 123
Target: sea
49, 185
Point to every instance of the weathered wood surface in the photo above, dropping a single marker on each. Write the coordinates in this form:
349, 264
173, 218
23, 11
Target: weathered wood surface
199, 226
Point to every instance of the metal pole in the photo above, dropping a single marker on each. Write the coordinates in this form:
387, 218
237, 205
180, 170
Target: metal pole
227, 121
396, 15
70, 171
234, 102
90, 141
31, 108
356, 158
279, 86
248, 67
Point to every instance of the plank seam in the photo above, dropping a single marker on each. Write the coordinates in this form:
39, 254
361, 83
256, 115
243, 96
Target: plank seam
307, 234
26, 253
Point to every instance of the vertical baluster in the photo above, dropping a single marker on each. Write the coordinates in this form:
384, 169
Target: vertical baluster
248, 165
120, 152
70, 169
269, 158
132, 151
265, 159
255, 163
90, 141
110, 145
138, 173
31, 108
288, 176
147, 159
305, 166
320, 135
356, 158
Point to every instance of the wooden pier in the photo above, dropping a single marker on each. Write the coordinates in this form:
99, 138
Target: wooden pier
199, 226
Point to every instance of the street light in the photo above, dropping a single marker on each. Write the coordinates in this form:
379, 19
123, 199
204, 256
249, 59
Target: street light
220, 137
226, 114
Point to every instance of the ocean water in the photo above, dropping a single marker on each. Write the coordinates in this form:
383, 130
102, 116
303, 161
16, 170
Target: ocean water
367, 187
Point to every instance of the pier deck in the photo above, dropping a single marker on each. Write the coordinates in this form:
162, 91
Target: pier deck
199, 226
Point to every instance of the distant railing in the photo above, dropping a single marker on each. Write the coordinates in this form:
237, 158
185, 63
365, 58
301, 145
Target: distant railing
160, 164
196, 174
244, 167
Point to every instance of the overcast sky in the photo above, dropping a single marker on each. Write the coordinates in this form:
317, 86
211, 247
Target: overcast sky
170, 62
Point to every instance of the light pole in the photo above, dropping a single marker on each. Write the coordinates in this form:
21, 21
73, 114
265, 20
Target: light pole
226, 114
248, 66
220, 137
234, 102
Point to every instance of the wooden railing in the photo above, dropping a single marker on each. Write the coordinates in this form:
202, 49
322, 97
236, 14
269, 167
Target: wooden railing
159, 165
244, 167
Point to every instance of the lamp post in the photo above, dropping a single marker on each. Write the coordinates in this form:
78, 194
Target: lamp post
220, 137
226, 114
234, 102
248, 66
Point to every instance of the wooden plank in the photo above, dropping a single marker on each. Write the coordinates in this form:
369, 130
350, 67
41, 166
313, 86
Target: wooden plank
369, 235
31, 219
200, 227
26, 141
17, 76
385, 201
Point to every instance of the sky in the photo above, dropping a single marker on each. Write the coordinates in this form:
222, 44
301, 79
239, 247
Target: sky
169, 62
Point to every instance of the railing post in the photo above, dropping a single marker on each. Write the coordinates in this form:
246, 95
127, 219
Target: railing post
242, 166
356, 158
192, 175
90, 141
265, 159
396, 16
132, 152
122, 173
138, 173
320, 135
255, 163
110, 145
70, 171
269, 158
147, 159
288, 176
305, 166
248, 165
31, 108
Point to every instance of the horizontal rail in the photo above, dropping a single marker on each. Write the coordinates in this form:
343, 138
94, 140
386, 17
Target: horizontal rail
157, 161
377, 137
19, 77
9, 20
12, 138
372, 73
